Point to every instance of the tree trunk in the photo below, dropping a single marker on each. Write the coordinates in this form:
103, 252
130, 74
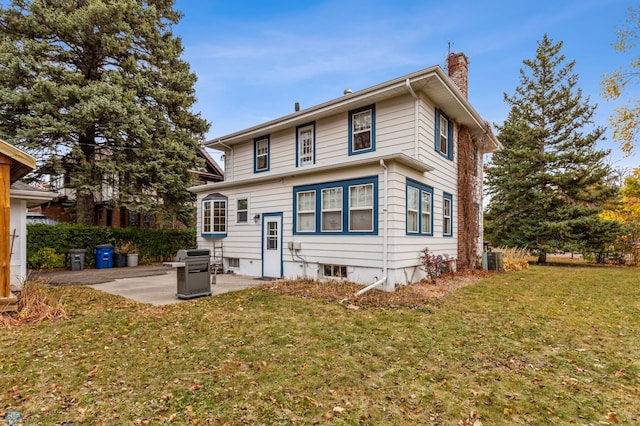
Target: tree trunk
86, 173
85, 209
542, 258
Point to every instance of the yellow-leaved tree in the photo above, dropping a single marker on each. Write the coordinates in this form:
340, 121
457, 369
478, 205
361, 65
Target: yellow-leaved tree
627, 212
625, 121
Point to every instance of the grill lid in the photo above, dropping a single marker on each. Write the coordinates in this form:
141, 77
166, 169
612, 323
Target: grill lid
183, 255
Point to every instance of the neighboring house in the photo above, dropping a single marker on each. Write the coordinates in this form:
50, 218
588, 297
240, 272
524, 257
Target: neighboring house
354, 188
120, 217
23, 197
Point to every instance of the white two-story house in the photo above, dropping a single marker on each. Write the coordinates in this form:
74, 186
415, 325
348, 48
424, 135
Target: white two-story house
354, 188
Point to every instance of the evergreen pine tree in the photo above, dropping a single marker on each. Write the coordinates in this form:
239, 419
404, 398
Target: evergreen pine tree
98, 88
548, 184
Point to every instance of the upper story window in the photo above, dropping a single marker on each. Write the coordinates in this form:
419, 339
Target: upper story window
447, 215
419, 209
214, 215
242, 210
343, 207
444, 135
362, 130
261, 154
306, 145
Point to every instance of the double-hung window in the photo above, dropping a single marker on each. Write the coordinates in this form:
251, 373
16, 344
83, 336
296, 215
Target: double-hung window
342, 207
444, 135
214, 216
332, 209
306, 146
447, 215
306, 216
242, 210
362, 130
261, 154
361, 207
419, 209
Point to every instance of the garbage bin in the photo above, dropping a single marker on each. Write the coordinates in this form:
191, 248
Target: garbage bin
492, 261
104, 256
119, 260
77, 259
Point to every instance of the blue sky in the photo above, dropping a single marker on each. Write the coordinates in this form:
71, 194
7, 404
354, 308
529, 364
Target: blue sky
254, 60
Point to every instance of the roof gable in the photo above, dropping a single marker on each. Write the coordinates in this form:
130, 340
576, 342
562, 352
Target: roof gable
433, 82
21, 162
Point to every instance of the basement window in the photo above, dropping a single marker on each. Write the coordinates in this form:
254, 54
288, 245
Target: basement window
233, 262
334, 271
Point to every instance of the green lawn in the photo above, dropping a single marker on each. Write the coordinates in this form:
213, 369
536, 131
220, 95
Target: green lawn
549, 345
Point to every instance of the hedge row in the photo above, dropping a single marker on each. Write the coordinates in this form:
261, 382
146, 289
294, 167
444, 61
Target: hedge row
152, 245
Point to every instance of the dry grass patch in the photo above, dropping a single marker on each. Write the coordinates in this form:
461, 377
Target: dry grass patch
35, 304
414, 296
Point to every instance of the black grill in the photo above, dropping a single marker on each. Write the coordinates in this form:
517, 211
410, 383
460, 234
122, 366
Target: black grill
194, 278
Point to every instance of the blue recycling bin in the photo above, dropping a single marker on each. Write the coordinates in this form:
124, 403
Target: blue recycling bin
103, 254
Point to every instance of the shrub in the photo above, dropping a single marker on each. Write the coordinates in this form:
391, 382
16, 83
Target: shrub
46, 258
153, 245
435, 265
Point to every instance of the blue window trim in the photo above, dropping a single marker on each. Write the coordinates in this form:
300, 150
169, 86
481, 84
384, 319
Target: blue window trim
255, 153
226, 218
280, 215
449, 154
371, 107
446, 196
421, 188
344, 184
313, 123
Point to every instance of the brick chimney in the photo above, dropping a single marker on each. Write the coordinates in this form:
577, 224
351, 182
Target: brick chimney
458, 68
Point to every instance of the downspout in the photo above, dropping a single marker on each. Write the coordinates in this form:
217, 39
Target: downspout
225, 160
385, 233
416, 120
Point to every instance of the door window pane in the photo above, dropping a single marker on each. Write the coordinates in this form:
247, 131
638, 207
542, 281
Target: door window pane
272, 235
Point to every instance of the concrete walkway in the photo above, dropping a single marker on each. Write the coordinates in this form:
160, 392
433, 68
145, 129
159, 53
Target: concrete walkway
156, 285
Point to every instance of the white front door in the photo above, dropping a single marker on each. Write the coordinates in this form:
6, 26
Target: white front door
272, 245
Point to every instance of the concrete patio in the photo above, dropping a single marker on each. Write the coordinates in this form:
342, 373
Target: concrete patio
152, 284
